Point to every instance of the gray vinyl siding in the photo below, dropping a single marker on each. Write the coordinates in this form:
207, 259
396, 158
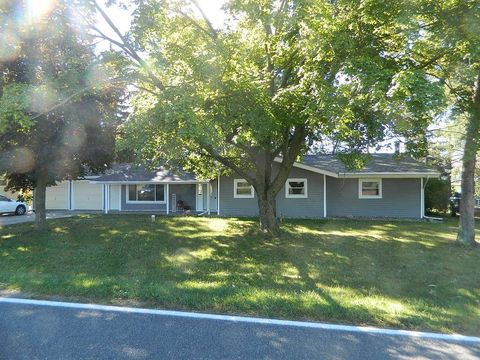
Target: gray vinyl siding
230, 206
310, 207
140, 207
400, 199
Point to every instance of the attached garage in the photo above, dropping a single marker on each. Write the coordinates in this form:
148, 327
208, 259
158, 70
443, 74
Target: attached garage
57, 196
87, 196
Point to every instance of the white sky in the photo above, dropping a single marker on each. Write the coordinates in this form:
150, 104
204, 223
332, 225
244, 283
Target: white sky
122, 18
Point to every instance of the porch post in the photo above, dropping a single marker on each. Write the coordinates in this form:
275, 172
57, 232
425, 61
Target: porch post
218, 195
422, 199
208, 198
106, 192
104, 202
168, 199
69, 194
120, 197
324, 196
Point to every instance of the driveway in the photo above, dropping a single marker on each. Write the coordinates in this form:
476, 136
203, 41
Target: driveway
29, 217
48, 330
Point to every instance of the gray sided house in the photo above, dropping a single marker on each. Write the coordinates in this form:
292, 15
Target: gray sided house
319, 186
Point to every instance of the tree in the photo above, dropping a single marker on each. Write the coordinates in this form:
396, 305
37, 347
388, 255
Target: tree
448, 49
57, 114
282, 75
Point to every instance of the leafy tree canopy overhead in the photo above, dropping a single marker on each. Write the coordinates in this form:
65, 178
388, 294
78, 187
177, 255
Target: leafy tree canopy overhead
332, 68
59, 103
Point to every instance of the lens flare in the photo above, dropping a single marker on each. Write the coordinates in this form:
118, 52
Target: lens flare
18, 160
37, 9
9, 46
42, 99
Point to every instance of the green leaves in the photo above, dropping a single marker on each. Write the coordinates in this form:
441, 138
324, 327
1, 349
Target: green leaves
13, 105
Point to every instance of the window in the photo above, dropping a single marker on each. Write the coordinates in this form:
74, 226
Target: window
370, 188
200, 189
296, 188
3, 198
242, 189
146, 193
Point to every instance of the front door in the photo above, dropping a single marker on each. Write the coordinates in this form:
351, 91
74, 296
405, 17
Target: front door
200, 197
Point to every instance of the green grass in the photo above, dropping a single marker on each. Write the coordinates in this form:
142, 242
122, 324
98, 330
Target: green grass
395, 274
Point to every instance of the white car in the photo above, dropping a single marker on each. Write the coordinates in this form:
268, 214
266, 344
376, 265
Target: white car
11, 206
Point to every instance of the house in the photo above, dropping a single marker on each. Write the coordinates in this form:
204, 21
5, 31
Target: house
319, 186
9, 194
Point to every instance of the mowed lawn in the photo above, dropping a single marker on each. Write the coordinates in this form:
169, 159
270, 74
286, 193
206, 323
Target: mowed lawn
394, 274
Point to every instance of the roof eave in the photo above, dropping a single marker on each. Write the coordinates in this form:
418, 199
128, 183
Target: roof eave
123, 182
406, 174
309, 168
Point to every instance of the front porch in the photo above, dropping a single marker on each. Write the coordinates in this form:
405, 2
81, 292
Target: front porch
168, 198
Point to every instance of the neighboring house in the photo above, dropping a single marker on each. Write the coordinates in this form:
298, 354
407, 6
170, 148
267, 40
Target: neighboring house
319, 186
3, 192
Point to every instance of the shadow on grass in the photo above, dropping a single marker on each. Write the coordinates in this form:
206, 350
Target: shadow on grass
401, 274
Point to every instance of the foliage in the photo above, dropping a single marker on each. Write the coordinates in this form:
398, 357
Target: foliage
58, 105
437, 195
449, 50
279, 77
388, 274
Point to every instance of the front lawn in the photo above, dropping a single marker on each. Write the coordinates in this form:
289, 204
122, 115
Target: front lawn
394, 274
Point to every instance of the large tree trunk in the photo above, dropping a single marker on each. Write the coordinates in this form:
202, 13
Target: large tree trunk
39, 201
267, 212
466, 230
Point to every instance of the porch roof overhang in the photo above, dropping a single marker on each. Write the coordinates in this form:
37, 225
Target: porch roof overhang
131, 174
131, 182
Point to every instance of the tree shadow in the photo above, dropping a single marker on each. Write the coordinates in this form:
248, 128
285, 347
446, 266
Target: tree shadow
401, 274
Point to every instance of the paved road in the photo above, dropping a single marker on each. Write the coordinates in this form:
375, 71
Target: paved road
12, 219
45, 332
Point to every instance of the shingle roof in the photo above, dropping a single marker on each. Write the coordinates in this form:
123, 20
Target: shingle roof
378, 163
133, 173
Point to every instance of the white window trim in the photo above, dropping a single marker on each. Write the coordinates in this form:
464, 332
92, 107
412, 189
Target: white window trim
296, 196
380, 188
145, 202
236, 196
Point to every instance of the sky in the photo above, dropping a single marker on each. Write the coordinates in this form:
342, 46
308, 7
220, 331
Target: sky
122, 18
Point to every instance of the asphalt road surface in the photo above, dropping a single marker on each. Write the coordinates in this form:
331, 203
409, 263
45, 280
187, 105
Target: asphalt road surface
30, 331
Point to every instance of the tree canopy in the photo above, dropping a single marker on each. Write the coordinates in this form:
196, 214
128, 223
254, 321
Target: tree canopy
57, 111
448, 47
279, 77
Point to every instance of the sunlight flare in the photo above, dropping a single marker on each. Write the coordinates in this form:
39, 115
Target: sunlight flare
38, 9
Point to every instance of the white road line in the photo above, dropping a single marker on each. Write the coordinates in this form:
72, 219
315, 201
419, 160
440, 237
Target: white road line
263, 321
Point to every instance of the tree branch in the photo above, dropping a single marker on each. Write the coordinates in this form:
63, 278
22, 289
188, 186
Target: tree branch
132, 51
228, 163
196, 24
101, 35
64, 101
293, 148
209, 24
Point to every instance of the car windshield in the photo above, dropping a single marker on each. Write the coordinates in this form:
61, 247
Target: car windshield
4, 198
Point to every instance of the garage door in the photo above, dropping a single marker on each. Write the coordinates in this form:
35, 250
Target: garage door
87, 196
57, 196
